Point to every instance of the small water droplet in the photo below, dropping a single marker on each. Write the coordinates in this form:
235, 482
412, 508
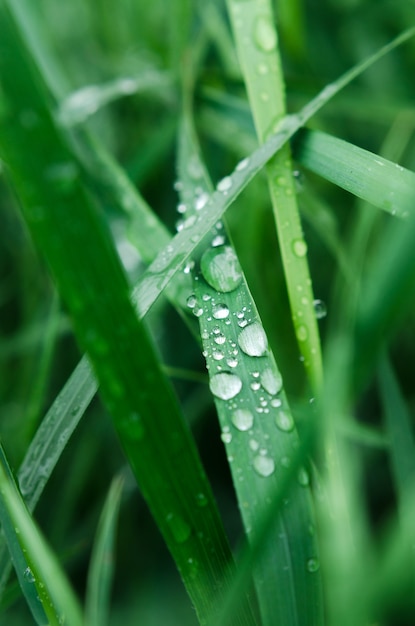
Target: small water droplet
242, 419
276, 402
303, 477
191, 301
299, 247
220, 268
265, 35
201, 499
28, 575
284, 421
220, 311
201, 201
219, 240
225, 385
217, 355
226, 437
320, 309
179, 528
225, 184
313, 565
255, 386
285, 461
232, 362
242, 164
262, 69
198, 311
302, 333
264, 465
181, 208
252, 340
271, 381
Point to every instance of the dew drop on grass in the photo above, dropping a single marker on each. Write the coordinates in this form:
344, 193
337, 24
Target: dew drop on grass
201, 499
284, 421
242, 165
225, 184
220, 311
219, 240
191, 301
28, 575
302, 333
225, 385
303, 477
265, 35
220, 339
320, 309
299, 247
201, 201
220, 268
178, 527
313, 565
226, 436
253, 340
263, 465
271, 381
276, 403
242, 419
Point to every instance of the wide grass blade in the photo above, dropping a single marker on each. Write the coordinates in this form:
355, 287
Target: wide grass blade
101, 567
46, 589
257, 426
68, 230
369, 176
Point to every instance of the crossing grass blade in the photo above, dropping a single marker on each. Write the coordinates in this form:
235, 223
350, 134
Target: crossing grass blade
368, 176
68, 230
101, 567
256, 40
258, 429
48, 593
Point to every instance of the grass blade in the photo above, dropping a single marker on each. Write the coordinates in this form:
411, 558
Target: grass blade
257, 425
101, 567
256, 40
369, 176
68, 230
46, 589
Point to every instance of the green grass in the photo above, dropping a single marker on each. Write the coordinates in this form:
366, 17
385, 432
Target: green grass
248, 418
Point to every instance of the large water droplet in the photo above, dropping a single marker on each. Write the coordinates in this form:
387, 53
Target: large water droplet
271, 381
265, 34
242, 419
253, 340
263, 465
220, 268
178, 527
225, 385
284, 421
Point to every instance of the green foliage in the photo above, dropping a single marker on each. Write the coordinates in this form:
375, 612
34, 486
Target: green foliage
281, 482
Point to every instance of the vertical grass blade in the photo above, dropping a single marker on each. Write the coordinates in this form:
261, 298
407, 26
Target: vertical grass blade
256, 40
257, 426
101, 567
46, 589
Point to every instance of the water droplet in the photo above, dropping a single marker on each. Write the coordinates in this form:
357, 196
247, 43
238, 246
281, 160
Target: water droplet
191, 301
201, 499
28, 575
263, 465
181, 208
265, 34
217, 355
276, 402
226, 437
220, 311
225, 184
271, 381
313, 565
201, 201
302, 333
220, 268
225, 385
252, 340
262, 69
303, 477
284, 421
232, 362
178, 527
320, 309
219, 240
242, 419
133, 427
198, 311
255, 386
299, 247
242, 164
285, 461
